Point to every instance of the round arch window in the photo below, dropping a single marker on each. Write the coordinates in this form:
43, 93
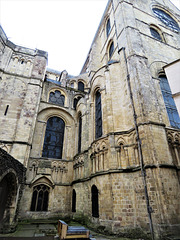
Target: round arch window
166, 19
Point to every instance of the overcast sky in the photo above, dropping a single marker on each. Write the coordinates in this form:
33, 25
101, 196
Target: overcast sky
63, 28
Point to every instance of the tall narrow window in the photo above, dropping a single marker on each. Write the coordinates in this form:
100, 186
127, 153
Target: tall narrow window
54, 136
98, 115
108, 27
57, 98
81, 86
169, 102
79, 133
111, 50
95, 201
74, 201
76, 100
40, 198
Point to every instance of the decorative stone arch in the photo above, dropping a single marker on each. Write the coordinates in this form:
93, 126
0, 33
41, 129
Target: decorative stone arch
69, 131
12, 179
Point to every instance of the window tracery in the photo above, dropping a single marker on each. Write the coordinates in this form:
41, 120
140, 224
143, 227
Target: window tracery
40, 198
57, 98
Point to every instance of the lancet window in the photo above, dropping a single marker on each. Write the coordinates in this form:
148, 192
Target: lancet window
98, 115
79, 133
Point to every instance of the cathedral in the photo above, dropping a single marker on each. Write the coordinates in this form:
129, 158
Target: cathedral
103, 146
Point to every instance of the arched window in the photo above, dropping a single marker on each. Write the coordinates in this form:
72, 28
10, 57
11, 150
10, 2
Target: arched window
40, 198
111, 50
76, 100
166, 19
108, 27
155, 34
169, 102
57, 98
74, 201
79, 133
95, 201
98, 115
81, 86
54, 136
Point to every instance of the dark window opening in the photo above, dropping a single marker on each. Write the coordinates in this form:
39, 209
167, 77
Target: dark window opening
79, 133
98, 115
95, 201
54, 136
74, 201
111, 50
155, 34
169, 102
76, 100
108, 27
166, 19
57, 98
5, 113
81, 86
40, 198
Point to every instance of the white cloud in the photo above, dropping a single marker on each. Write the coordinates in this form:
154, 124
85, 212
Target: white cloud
63, 28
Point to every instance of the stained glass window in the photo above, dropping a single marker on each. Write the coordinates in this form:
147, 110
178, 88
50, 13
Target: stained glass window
40, 198
98, 115
166, 19
57, 98
79, 133
108, 27
155, 34
54, 136
111, 50
169, 102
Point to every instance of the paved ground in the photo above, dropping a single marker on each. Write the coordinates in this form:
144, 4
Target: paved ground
45, 231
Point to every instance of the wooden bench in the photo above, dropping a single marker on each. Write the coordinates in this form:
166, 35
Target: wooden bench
71, 232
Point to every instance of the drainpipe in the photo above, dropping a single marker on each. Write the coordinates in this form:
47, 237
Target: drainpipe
143, 171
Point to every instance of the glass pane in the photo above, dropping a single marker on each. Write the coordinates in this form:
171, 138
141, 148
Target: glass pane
108, 27
155, 34
169, 102
166, 19
54, 136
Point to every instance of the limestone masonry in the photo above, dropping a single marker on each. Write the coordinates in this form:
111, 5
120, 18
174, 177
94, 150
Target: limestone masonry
103, 146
